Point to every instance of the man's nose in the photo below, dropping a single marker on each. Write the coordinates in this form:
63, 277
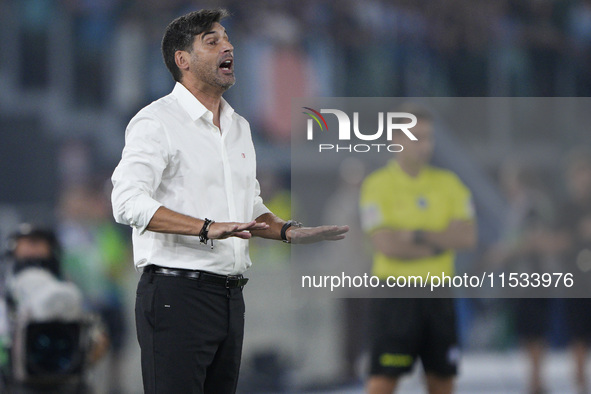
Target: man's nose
227, 47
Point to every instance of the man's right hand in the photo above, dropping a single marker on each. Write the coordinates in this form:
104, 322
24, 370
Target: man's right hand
225, 230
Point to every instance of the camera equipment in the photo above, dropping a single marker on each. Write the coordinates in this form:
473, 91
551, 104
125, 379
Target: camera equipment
48, 329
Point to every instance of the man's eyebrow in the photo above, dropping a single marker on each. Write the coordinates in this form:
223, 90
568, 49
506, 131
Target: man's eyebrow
212, 32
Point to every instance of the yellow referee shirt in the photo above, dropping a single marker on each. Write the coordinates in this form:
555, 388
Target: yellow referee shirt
392, 199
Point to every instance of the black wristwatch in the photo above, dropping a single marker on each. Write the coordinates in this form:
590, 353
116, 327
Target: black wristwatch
287, 225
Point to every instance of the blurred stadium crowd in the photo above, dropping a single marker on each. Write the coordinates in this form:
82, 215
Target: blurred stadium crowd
73, 72
346, 48
414, 48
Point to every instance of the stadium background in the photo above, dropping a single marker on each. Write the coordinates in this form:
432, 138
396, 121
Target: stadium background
73, 72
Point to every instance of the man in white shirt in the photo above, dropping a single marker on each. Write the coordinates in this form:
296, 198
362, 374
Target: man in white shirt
187, 185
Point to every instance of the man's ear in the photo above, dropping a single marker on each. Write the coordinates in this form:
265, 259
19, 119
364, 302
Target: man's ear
181, 58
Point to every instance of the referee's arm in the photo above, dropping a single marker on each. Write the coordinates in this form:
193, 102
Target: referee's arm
405, 245
460, 234
399, 244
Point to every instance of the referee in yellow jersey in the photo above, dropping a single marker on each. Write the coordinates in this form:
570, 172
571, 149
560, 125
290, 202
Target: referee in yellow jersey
416, 215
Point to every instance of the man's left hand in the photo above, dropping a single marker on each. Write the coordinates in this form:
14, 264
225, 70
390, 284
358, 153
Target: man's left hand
308, 235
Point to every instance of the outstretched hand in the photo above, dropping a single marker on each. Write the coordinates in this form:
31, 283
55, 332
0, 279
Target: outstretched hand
225, 230
308, 235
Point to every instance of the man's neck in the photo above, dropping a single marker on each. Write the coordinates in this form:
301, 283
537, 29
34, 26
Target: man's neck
412, 169
210, 98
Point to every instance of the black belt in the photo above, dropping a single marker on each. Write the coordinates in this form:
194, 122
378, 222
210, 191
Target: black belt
229, 282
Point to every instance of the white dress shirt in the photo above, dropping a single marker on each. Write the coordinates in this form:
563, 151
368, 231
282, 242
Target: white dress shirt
174, 156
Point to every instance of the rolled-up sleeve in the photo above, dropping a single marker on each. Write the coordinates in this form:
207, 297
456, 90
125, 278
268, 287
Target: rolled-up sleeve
258, 207
139, 173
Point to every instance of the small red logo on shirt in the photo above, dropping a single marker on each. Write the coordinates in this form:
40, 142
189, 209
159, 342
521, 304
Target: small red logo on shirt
243, 156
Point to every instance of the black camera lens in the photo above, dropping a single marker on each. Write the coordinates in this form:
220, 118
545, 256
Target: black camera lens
53, 348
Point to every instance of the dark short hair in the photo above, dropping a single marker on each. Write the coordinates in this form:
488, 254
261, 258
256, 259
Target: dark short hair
180, 33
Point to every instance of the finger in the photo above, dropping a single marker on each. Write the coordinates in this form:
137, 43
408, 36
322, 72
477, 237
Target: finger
338, 231
260, 226
334, 229
335, 238
244, 226
254, 225
233, 228
341, 229
242, 234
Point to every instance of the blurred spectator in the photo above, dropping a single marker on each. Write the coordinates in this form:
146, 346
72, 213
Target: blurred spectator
36, 17
94, 23
579, 48
284, 57
575, 225
510, 65
129, 57
544, 32
527, 245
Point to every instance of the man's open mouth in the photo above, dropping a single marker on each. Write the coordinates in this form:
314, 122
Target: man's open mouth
226, 65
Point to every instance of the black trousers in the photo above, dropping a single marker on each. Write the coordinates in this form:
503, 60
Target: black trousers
190, 335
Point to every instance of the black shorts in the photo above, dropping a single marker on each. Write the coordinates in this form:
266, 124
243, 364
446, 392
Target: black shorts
578, 318
405, 329
532, 317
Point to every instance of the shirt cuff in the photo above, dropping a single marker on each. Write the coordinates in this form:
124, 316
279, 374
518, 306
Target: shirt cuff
146, 207
259, 209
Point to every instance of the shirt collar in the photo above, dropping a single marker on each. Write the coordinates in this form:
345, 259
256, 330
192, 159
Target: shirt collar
396, 169
193, 106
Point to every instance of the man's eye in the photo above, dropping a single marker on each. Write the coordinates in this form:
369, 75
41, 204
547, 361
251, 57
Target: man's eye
213, 42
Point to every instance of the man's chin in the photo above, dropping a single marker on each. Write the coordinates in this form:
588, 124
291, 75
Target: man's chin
226, 83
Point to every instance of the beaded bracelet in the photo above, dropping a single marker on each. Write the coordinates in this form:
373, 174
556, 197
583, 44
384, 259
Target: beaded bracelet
204, 231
